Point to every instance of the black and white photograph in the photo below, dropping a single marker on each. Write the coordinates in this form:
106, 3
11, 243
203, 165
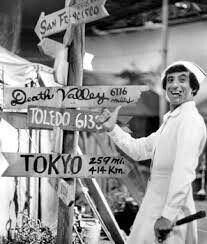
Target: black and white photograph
103, 122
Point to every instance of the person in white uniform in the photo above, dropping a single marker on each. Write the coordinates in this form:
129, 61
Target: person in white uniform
174, 150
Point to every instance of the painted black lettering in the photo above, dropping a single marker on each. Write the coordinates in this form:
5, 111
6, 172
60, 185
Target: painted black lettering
112, 170
115, 161
82, 94
52, 163
44, 164
49, 27
96, 10
65, 162
43, 27
54, 23
79, 164
26, 156
92, 160
106, 159
61, 17
92, 170
44, 95
122, 100
19, 97
121, 161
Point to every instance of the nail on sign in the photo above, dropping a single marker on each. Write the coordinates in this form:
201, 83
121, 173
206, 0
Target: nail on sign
81, 96
67, 119
64, 165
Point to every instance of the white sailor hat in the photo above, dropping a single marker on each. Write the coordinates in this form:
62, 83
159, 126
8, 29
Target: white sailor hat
192, 67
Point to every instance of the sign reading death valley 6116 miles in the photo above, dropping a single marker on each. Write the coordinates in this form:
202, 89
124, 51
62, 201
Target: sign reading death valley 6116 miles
64, 165
71, 96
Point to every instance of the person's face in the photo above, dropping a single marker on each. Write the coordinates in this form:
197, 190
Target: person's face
178, 88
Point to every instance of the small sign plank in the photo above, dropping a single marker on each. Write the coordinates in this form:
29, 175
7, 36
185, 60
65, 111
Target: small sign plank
71, 96
85, 11
64, 165
17, 120
65, 190
50, 47
52, 23
48, 118
66, 119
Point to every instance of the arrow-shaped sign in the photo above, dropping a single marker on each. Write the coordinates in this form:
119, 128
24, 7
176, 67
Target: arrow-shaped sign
49, 117
53, 48
50, 47
17, 120
71, 96
66, 119
52, 23
85, 11
64, 165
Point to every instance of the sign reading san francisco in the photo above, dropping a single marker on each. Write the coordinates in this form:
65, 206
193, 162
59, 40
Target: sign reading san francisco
71, 96
85, 11
52, 23
64, 165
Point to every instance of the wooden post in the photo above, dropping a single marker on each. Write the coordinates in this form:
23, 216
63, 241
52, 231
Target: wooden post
67, 142
70, 139
162, 100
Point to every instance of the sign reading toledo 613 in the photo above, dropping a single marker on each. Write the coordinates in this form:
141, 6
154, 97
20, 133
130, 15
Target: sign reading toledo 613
64, 165
67, 119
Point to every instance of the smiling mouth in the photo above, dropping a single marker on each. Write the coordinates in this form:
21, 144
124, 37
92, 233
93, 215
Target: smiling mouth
175, 94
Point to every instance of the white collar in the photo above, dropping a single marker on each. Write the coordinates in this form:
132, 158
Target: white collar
184, 106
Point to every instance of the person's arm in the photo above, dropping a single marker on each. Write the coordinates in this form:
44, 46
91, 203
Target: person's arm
138, 149
190, 142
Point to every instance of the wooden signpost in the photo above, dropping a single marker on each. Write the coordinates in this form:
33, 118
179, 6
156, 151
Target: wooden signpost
71, 96
64, 165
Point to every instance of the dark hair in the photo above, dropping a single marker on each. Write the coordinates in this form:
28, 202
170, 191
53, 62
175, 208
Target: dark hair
194, 84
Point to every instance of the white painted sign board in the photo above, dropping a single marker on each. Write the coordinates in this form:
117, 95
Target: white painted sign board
71, 96
64, 165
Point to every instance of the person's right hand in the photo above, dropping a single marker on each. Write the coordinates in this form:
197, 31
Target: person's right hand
108, 119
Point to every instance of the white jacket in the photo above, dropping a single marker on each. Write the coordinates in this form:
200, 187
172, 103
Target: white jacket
174, 149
